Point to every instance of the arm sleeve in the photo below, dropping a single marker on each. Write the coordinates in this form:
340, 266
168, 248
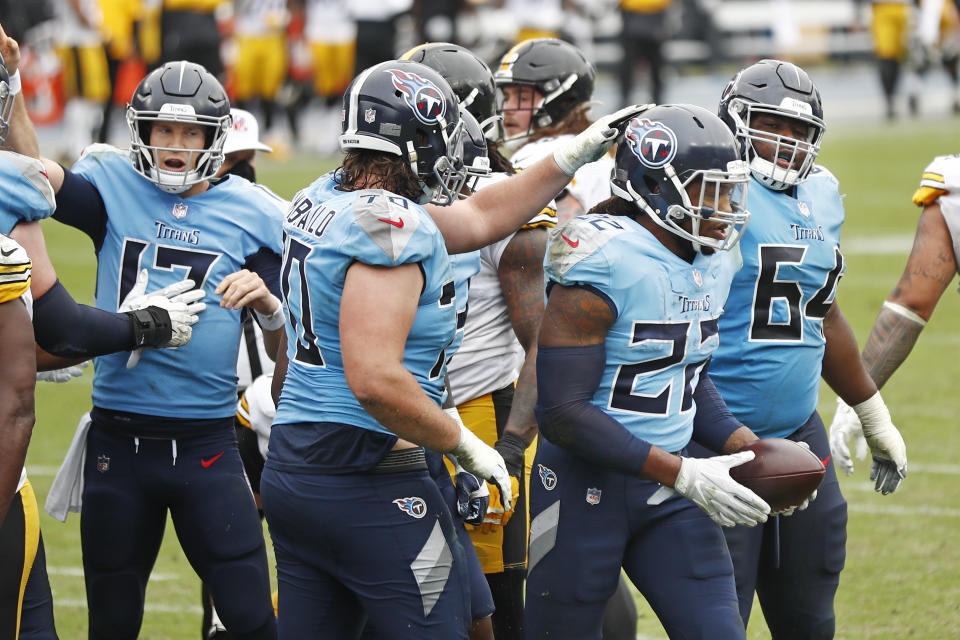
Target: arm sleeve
85, 210
68, 329
713, 422
567, 378
266, 264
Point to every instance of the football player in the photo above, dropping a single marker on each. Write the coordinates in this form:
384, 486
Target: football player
781, 331
347, 465
546, 85
162, 435
499, 349
634, 291
930, 268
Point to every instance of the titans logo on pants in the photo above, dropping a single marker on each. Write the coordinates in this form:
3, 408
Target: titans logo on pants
653, 143
422, 96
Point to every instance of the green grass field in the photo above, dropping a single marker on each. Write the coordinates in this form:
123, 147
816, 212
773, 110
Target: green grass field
903, 556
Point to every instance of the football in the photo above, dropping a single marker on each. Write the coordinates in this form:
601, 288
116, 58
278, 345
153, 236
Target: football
782, 472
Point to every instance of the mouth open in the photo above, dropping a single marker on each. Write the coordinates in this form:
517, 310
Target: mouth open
174, 164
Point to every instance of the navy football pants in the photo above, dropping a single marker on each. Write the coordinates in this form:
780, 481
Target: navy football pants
129, 488
794, 562
363, 549
587, 522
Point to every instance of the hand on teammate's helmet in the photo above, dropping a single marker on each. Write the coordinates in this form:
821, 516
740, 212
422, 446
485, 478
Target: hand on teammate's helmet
179, 304
593, 142
707, 482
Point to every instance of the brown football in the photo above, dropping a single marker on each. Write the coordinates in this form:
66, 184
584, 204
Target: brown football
782, 472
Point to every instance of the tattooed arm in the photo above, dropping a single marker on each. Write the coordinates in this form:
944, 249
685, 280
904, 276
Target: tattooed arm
930, 269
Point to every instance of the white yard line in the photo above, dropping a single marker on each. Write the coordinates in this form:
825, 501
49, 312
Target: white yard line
77, 572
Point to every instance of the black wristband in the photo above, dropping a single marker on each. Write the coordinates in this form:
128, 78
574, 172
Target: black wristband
151, 326
511, 447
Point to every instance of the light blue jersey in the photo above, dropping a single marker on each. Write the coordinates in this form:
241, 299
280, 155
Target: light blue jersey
666, 319
324, 237
771, 337
204, 237
27, 194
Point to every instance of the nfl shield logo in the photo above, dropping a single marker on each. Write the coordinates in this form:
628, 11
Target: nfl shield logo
803, 209
180, 210
370, 115
593, 496
698, 277
103, 463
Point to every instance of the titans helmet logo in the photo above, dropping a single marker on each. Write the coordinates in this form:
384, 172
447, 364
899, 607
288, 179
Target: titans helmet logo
653, 143
422, 96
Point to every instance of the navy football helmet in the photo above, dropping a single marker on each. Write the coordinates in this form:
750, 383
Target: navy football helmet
556, 69
475, 160
783, 89
407, 109
7, 100
670, 147
178, 91
468, 76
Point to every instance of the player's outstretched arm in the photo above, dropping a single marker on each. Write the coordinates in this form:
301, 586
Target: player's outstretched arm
16, 396
494, 211
21, 137
376, 313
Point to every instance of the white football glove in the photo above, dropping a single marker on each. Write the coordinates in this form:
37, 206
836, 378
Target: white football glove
180, 300
707, 482
484, 462
886, 444
62, 375
806, 503
590, 144
844, 428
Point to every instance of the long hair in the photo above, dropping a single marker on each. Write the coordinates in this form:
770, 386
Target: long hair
617, 206
498, 162
367, 169
574, 122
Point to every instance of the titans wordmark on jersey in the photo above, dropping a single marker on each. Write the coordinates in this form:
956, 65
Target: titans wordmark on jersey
771, 337
665, 328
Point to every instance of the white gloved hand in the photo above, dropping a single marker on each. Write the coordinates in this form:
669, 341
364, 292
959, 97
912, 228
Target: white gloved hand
886, 444
846, 426
180, 300
484, 462
62, 375
707, 482
594, 141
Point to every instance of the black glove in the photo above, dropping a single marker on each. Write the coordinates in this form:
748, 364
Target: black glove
511, 447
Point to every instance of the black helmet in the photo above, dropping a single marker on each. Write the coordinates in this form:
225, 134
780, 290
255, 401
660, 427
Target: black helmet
178, 91
667, 148
468, 76
407, 109
556, 69
783, 89
7, 100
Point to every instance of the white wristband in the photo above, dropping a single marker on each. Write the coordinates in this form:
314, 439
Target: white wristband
272, 321
872, 411
14, 83
903, 312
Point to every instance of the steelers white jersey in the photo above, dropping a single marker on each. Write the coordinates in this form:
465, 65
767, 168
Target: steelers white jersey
329, 21
490, 357
259, 17
256, 411
251, 346
590, 184
940, 183
15, 268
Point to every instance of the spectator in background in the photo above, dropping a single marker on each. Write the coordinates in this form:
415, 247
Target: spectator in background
376, 30
119, 21
536, 18
188, 31
644, 31
890, 26
332, 38
85, 74
935, 41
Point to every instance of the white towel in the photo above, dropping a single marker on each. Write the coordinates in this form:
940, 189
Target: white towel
66, 492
